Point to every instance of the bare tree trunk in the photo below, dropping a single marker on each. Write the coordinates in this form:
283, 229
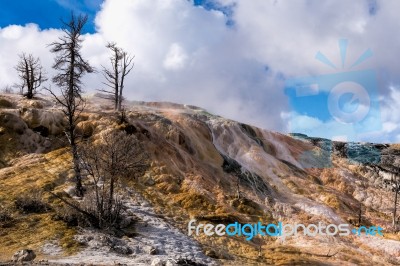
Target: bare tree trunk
75, 159
395, 206
71, 67
111, 197
121, 63
77, 170
120, 100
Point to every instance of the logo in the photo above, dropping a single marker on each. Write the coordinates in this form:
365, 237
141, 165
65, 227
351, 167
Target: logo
249, 231
342, 105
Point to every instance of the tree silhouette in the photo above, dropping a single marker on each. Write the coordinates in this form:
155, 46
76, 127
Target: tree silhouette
71, 67
121, 65
113, 156
31, 74
390, 164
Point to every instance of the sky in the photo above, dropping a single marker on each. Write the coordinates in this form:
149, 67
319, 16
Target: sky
323, 68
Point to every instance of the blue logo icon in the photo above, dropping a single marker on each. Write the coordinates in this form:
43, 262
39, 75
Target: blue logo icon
342, 105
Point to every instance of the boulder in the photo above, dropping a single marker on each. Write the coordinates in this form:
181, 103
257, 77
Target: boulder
52, 120
124, 250
157, 262
24, 255
42, 130
5, 103
151, 250
85, 129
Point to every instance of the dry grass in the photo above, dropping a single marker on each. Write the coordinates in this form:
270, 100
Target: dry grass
395, 146
34, 173
32, 231
293, 187
393, 236
184, 189
331, 200
195, 202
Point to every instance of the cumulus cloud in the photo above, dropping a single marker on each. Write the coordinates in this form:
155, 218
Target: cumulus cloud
234, 66
176, 57
16, 39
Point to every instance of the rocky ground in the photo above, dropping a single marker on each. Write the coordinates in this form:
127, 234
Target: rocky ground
156, 243
199, 164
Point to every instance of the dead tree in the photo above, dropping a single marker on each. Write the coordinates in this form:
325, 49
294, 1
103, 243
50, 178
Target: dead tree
71, 67
395, 182
391, 166
121, 65
31, 74
113, 156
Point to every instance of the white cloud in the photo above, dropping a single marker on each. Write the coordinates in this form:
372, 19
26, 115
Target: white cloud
303, 123
176, 57
187, 54
389, 127
16, 39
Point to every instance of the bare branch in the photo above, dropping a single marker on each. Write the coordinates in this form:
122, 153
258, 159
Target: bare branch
71, 68
121, 64
31, 74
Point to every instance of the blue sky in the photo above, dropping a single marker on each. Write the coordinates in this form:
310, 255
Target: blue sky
46, 13
232, 57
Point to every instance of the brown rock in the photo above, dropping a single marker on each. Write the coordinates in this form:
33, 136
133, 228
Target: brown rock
24, 255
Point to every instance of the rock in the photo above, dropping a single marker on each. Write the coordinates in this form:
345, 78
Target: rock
144, 204
47, 143
5, 103
170, 263
148, 180
85, 129
124, 250
210, 253
129, 129
53, 120
83, 239
24, 255
42, 130
157, 262
126, 222
188, 262
151, 250
13, 123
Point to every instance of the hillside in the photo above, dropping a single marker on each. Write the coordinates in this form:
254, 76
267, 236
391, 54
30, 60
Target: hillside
201, 167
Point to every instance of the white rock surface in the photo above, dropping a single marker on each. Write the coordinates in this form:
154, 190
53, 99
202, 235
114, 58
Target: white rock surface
153, 233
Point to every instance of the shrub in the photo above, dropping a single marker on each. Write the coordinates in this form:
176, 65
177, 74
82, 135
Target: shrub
31, 203
107, 214
70, 217
113, 156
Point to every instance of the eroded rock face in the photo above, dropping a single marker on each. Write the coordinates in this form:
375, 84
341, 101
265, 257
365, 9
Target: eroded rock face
23, 255
379, 161
223, 171
53, 120
13, 123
